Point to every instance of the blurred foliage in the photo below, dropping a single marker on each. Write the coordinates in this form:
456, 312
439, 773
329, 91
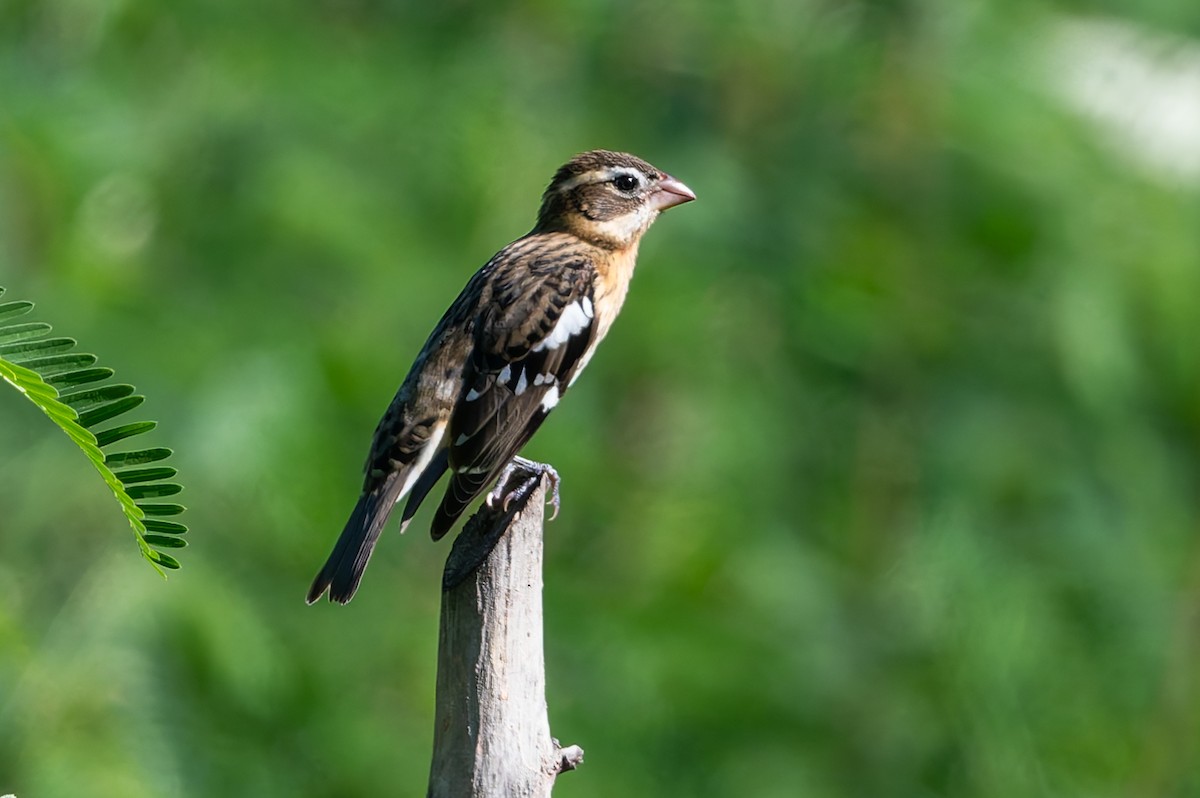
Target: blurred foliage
41, 367
884, 484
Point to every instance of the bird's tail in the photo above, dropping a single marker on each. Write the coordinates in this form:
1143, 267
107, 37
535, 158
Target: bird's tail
344, 568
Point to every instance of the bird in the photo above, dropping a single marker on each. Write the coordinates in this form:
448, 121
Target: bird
505, 352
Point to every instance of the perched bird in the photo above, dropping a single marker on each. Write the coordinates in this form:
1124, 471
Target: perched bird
504, 353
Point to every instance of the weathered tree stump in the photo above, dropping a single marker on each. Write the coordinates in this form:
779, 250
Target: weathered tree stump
492, 732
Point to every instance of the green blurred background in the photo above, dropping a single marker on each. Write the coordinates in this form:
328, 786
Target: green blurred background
885, 484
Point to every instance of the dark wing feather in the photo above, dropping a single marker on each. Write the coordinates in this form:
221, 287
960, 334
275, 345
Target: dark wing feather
343, 570
420, 490
529, 342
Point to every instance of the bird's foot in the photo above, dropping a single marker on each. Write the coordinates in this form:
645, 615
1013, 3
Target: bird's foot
530, 474
518, 483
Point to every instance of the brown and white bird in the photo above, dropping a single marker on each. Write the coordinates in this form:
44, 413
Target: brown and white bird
505, 352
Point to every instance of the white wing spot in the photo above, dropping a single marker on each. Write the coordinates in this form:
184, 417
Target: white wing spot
461, 439
505, 375
473, 394
522, 384
572, 321
550, 399
588, 310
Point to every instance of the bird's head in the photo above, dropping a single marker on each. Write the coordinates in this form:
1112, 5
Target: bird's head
608, 198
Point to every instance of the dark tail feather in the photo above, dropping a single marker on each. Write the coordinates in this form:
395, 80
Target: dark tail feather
344, 568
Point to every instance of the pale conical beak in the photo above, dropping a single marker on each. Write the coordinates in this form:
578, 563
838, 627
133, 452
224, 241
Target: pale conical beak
669, 193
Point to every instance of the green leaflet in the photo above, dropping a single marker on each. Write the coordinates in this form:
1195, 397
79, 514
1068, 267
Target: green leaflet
38, 366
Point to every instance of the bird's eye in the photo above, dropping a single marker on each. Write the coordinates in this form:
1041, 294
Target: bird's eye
626, 182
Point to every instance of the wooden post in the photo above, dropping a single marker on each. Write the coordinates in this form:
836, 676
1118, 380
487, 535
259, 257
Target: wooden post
492, 733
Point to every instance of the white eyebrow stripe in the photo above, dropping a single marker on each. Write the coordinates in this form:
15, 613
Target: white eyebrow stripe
602, 176
632, 171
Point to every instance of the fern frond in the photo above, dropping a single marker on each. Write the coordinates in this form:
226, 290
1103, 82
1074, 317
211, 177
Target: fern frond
40, 367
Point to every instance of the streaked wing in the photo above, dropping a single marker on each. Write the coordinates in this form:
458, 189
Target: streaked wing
529, 342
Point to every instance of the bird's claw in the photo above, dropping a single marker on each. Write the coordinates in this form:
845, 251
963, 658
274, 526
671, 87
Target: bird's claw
505, 496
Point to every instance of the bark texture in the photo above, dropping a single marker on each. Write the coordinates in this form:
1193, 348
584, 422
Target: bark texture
492, 732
